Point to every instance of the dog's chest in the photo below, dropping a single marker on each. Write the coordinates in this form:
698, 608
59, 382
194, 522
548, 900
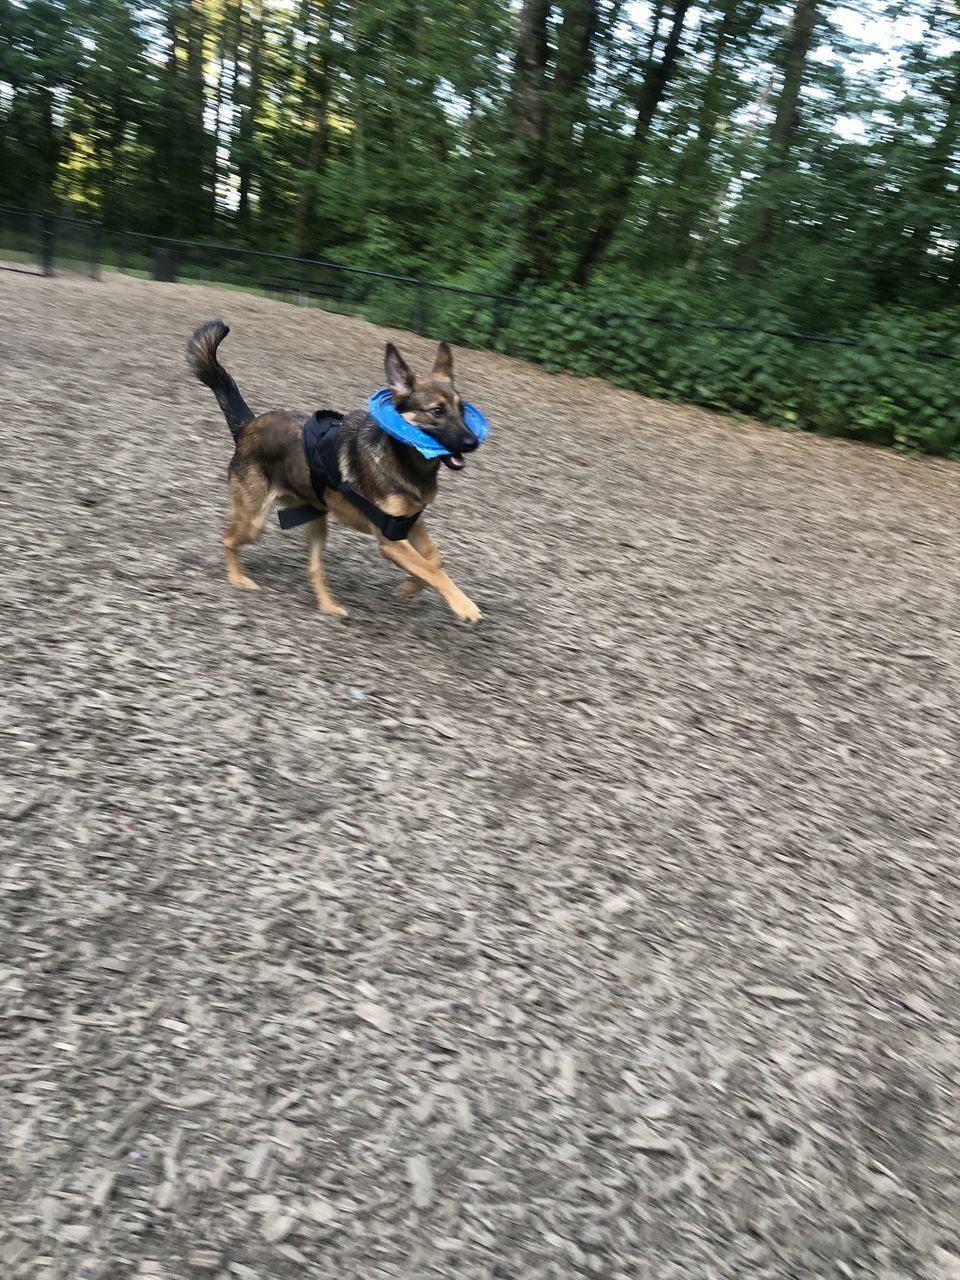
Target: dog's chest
347, 513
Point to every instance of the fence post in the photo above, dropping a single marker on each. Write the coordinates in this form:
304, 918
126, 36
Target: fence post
417, 321
95, 244
47, 243
164, 264
497, 318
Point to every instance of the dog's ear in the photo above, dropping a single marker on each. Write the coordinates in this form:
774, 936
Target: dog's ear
443, 365
398, 372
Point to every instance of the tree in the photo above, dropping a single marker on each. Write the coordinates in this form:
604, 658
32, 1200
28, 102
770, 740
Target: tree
552, 79
317, 92
249, 102
792, 60
659, 71
543, 144
719, 93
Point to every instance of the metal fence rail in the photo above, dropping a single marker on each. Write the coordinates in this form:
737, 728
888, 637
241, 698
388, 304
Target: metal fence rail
42, 243
406, 301
20, 242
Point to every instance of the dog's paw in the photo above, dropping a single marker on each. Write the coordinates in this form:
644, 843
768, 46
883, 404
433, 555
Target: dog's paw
409, 588
243, 582
334, 611
468, 612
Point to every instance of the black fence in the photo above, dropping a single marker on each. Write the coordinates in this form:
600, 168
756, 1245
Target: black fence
404, 301
44, 244
50, 244
40, 243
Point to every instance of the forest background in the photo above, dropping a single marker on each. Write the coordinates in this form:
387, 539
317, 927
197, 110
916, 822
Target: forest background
674, 187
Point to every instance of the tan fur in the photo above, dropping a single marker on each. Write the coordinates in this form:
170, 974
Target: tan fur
408, 557
250, 498
421, 541
395, 504
423, 564
317, 538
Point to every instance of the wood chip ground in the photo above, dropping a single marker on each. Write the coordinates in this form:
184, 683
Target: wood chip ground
615, 938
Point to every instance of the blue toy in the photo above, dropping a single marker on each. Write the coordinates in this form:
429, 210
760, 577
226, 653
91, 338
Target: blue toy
385, 414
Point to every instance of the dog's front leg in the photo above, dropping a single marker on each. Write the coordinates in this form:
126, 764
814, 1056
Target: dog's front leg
317, 536
409, 558
422, 542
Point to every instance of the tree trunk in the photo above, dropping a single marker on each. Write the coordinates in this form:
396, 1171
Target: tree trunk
796, 47
530, 73
249, 119
691, 171
529, 106
615, 206
223, 49
581, 20
199, 144
358, 112
315, 151
229, 90
547, 136
938, 173
699, 246
167, 156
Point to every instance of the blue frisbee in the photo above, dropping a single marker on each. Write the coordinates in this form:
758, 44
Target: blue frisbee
384, 413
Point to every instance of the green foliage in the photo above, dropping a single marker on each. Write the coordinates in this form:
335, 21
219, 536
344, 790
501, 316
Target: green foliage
884, 390
644, 171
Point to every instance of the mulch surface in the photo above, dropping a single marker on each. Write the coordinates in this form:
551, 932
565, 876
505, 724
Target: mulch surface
615, 937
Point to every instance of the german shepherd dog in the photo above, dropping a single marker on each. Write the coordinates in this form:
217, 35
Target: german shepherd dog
269, 464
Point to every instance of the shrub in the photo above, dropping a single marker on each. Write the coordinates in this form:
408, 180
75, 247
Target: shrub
888, 388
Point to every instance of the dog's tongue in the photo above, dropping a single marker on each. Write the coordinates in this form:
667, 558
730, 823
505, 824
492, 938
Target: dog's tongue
455, 461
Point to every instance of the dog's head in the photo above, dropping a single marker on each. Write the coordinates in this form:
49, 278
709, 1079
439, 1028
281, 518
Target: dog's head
433, 404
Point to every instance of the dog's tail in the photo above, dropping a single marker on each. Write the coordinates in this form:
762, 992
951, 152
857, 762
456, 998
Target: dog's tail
202, 359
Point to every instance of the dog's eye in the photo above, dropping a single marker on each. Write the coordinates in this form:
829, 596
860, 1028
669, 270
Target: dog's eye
437, 411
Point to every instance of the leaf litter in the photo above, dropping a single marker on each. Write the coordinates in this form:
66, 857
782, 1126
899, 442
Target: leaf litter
576, 944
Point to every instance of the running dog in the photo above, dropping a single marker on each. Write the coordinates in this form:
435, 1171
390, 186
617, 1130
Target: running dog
346, 465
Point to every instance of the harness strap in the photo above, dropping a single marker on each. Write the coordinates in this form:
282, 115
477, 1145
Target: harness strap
393, 528
292, 517
319, 440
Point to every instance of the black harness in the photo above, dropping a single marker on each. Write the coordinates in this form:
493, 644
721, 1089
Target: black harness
320, 444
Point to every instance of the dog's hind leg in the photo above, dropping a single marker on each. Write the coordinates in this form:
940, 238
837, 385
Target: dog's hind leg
317, 537
250, 498
420, 539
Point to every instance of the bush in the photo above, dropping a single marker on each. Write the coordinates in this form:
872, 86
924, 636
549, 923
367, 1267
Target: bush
887, 389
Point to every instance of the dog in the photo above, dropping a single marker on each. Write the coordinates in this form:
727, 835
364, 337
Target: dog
386, 482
